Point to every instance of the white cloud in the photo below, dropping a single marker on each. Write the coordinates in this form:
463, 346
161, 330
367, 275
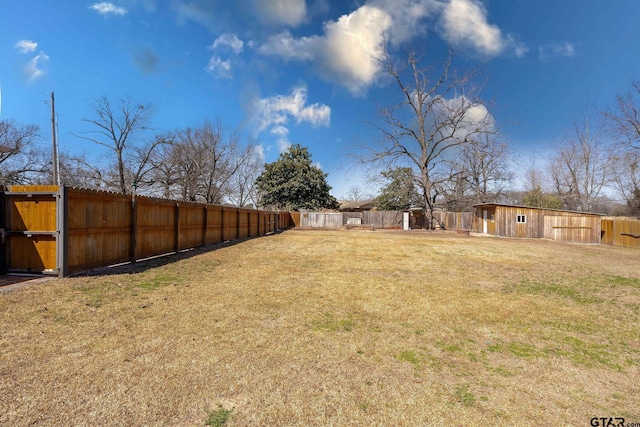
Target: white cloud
274, 113
281, 12
107, 8
519, 48
464, 23
257, 154
26, 46
352, 47
286, 46
220, 68
280, 131
475, 116
565, 49
283, 145
228, 41
33, 69
347, 52
407, 16
200, 11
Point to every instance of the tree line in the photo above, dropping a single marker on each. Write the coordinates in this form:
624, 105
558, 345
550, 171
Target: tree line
438, 147
208, 163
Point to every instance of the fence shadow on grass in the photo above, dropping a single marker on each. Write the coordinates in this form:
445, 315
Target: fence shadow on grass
165, 259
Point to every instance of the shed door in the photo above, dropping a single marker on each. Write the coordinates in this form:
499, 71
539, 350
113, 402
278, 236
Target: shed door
484, 221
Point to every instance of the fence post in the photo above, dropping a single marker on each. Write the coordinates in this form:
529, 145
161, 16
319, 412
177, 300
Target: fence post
176, 233
248, 223
133, 254
62, 213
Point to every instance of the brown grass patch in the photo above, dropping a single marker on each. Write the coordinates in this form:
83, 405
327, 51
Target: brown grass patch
333, 328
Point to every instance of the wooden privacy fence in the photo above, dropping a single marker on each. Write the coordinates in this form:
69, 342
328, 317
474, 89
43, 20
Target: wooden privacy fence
380, 219
621, 231
377, 219
63, 230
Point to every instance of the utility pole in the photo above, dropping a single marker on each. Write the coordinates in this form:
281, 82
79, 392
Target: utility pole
54, 162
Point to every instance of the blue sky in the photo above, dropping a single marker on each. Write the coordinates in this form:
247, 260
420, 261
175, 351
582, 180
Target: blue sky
296, 71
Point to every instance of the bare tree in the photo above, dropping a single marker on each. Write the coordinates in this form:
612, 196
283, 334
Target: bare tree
434, 119
115, 128
481, 173
626, 178
624, 127
21, 161
581, 166
243, 190
357, 194
200, 163
164, 170
77, 171
625, 119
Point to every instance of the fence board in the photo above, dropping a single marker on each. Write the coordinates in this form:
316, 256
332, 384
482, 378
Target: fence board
98, 229
621, 231
572, 229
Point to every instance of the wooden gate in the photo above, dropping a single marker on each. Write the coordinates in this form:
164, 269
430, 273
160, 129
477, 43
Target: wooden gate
30, 232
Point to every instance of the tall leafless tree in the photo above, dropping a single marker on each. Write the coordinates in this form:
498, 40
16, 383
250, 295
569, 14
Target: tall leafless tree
624, 128
200, 163
116, 127
626, 178
356, 194
21, 160
581, 166
242, 189
438, 114
625, 118
482, 172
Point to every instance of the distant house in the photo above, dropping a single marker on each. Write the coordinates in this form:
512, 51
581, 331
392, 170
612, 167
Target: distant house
364, 205
537, 223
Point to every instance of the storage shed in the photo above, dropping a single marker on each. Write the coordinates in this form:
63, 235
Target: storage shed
537, 223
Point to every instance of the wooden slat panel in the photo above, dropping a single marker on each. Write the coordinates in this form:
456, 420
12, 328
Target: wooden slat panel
626, 232
214, 225
295, 218
98, 229
32, 254
244, 223
37, 213
230, 224
156, 227
572, 229
191, 225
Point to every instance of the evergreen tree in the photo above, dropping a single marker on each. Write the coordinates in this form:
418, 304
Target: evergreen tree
400, 192
293, 183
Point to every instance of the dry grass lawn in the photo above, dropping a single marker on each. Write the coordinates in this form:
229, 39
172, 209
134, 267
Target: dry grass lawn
335, 328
